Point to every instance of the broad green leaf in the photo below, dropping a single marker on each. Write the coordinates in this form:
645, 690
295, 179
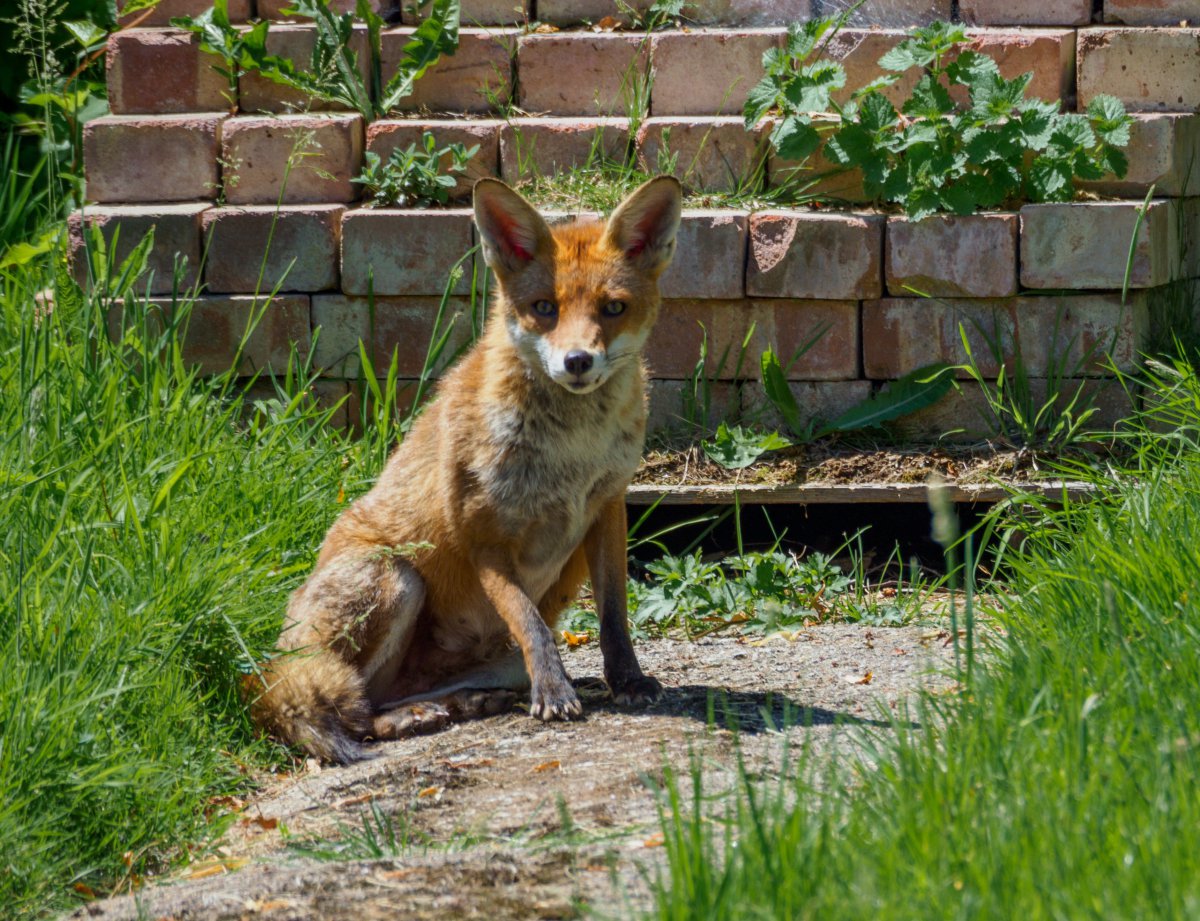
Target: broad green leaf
915, 390
851, 145
761, 99
929, 99
436, 35
734, 448
794, 138
87, 33
1114, 161
876, 113
1110, 120
775, 385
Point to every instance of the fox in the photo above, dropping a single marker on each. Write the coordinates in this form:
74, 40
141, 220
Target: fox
435, 595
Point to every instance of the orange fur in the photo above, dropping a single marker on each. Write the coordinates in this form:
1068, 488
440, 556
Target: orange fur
506, 495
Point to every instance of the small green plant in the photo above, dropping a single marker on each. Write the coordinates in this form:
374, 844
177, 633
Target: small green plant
413, 177
734, 447
935, 155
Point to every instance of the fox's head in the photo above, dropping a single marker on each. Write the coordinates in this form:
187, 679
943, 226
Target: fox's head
579, 299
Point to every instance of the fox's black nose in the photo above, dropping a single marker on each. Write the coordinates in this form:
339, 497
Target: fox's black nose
578, 362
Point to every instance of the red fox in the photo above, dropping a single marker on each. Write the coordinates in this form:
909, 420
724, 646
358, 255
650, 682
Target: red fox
506, 495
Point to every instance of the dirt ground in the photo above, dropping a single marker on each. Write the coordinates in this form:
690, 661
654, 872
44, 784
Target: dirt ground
510, 818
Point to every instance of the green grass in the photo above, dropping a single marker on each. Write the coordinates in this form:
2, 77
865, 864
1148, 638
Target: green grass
1061, 781
151, 526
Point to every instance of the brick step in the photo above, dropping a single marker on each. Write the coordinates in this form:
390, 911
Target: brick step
723, 254
674, 73
146, 158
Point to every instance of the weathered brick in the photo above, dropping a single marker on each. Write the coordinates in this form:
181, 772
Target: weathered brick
574, 12
405, 325
1152, 12
163, 71
1073, 335
952, 256
1085, 245
807, 255
476, 78
395, 252
1150, 70
1163, 151
819, 401
138, 158
295, 248
266, 329
273, 9
581, 73
164, 11
677, 406
730, 60
383, 137
859, 51
176, 234
817, 176
484, 13
707, 12
296, 42
891, 14
709, 154
1049, 54
828, 328
326, 152
1025, 12
545, 146
710, 256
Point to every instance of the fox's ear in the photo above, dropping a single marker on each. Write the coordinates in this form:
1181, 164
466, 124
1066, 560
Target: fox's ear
512, 232
643, 226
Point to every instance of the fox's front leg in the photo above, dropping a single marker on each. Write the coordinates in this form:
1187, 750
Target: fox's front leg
608, 564
551, 694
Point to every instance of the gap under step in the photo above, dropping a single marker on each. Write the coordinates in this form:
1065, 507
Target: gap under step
847, 493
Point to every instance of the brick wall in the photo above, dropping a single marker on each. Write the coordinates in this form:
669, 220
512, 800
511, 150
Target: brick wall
218, 176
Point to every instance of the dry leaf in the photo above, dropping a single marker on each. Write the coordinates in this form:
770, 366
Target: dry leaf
85, 890
864, 679
207, 868
341, 496
607, 24
430, 791
261, 821
398, 874
889, 593
655, 840
356, 800
544, 28
576, 639
547, 766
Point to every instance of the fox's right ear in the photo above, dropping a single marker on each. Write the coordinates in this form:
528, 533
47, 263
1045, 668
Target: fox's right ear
512, 231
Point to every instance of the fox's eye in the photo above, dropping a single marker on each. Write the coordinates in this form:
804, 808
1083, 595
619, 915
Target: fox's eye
544, 308
614, 308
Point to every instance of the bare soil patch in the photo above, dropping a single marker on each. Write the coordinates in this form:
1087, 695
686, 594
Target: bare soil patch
512, 818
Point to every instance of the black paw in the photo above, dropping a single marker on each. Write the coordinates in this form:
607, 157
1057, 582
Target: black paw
555, 700
636, 692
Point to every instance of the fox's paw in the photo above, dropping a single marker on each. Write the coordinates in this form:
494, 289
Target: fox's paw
554, 701
410, 720
637, 692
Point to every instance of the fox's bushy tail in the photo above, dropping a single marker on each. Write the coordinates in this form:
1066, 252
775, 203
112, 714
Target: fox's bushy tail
316, 701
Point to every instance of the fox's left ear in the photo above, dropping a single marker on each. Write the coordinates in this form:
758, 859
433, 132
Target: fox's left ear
643, 226
512, 231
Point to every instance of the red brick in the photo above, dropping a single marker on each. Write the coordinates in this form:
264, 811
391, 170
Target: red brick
1150, 70
952, 256
731, 62
710, 256
295, 41
574, 12
785, 325
403, 324
1085, 245
807, 255
163, 71
326, 151
404, 252
709, 154
484, 13
131, 158
1049, 54
580, 73
176, 234
1078, 335
1152, 12
294, 247
859, 51
479, 72
545, 146
819, 401
1163, 151
1025, 12
895, 13
165, 10
385, 136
